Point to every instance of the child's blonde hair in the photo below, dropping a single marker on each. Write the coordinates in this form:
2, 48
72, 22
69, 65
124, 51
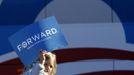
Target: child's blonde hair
52, 58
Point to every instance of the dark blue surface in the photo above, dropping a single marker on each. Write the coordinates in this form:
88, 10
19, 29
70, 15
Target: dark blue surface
129, 32
17, 12
5, 32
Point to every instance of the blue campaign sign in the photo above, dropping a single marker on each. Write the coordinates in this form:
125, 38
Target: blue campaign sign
45, 34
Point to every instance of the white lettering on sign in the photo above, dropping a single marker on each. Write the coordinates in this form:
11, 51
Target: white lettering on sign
36, 38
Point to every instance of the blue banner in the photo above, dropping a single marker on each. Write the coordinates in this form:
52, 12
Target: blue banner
45, 34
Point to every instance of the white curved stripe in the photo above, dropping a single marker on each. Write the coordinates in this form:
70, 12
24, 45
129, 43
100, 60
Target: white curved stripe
89, 66
98, 35
124, 65
129, 47
8, 56
73, 68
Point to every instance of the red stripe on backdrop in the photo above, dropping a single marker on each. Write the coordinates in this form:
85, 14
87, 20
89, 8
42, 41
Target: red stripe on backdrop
76, 54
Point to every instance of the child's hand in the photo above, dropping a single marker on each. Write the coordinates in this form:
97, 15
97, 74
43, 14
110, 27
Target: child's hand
42, 56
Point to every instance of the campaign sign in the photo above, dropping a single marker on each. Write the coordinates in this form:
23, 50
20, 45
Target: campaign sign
45, 34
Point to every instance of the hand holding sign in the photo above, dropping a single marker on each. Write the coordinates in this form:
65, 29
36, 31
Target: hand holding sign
45, 34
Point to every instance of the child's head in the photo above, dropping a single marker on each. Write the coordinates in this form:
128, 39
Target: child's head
50, 63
